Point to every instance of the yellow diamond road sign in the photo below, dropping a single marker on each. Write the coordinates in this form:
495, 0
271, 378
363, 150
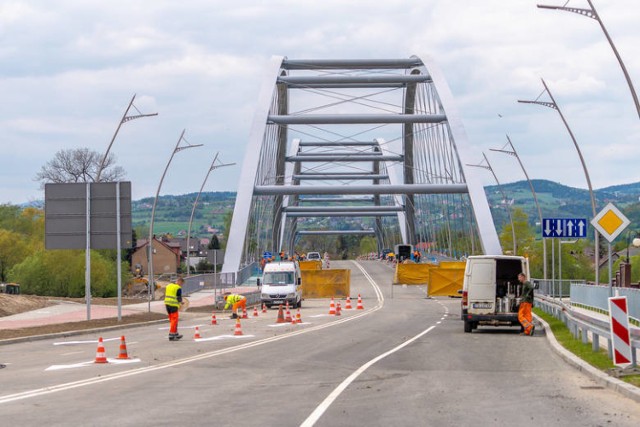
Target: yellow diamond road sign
610, 222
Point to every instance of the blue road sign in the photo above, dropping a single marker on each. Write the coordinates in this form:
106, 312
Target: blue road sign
575, 228
267, 255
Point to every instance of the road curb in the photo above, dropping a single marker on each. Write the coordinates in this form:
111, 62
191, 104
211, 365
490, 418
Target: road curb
9, 341
615, 384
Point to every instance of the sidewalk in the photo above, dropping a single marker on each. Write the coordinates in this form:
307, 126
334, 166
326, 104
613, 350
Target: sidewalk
67, 312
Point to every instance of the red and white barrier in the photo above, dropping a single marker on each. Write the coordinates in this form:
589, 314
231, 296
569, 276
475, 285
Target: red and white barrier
620, 334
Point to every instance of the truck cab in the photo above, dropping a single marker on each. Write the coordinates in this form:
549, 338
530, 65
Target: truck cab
491, 291
280, 283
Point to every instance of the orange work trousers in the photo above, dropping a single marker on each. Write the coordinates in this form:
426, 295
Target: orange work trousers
525, 317
242, 303
173, 322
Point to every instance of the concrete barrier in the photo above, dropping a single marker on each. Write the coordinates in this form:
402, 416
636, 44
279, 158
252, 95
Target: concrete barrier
326, 283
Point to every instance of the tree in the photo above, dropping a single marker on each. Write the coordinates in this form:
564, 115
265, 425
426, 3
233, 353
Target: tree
79, 165
13, 249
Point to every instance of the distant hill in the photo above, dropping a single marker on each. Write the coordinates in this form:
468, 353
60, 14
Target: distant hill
556, 201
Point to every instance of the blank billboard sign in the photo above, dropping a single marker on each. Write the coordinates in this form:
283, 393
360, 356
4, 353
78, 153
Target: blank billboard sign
66, 215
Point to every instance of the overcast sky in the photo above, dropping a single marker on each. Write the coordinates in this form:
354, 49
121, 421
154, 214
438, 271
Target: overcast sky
68, 69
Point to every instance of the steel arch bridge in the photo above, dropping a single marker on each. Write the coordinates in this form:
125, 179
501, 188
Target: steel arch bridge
358, 147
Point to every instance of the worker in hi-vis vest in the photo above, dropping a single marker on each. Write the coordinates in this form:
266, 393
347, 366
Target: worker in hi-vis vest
235, 301
172, 300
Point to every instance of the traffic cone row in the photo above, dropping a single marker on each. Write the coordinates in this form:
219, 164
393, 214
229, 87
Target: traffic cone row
255, 311
338, 309
244, 313
347, 305
287, 317
264, 308
359, 306
214, 321
298, 317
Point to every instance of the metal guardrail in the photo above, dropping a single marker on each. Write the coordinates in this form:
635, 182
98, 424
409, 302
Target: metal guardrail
582, 325
597, 297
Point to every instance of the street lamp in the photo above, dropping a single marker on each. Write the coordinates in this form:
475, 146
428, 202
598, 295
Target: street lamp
591, 13
153, 209
195, 203
554, 106
124, 119
513, 153
504, 197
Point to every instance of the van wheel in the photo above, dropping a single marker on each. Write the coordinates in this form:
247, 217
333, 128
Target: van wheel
300, 303
474, 325
468, 327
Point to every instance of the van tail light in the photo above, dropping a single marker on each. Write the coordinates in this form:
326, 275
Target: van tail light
465, 298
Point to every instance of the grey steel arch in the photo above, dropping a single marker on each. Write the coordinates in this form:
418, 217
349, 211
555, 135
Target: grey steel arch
387, 130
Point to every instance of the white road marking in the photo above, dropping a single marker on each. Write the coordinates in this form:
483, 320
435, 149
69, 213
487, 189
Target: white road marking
320, 410
83, 364
222, 337
85, 342
73, 352
203, 356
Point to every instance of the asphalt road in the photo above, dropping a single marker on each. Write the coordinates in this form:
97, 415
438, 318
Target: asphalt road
402, 361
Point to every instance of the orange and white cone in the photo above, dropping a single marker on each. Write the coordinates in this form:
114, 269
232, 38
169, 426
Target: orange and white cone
298, 317
338, 309
214, 321
197, 336
280, 315
238, 330
332, 307
264, 308
287, 317
359, 306
123, 349
100, 354
255, 311
244, 313
347, 305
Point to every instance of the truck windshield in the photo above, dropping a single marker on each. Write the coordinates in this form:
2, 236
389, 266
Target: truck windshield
278, 278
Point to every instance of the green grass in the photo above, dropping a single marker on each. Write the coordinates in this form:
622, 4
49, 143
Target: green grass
598, 359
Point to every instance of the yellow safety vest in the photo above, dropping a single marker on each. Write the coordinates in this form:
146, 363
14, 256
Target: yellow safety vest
171, 295
232, 299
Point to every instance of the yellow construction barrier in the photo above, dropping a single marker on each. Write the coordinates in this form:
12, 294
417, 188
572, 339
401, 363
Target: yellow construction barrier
310, 265
326, 283
453, 264
445, 282
412, 274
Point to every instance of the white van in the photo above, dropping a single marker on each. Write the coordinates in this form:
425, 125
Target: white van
491, 290
280, 283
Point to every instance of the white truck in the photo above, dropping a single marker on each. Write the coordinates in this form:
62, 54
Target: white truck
280, 283
491, 291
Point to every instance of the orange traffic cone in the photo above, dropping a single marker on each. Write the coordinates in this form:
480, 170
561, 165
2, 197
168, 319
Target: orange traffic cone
197, 336
255, 311
332, 307
359, 306
123, 349
298, 317
338, 309
280, 315
287, 317
100, 356
347, 305
238, 330
244, 313
264, 308
214, 321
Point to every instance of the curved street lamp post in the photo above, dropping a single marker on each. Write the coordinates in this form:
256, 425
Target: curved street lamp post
153, 211
513, 153
554, 106
504, 197
591, 13
195, 203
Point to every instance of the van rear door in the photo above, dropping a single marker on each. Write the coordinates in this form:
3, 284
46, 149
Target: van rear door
481, 290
